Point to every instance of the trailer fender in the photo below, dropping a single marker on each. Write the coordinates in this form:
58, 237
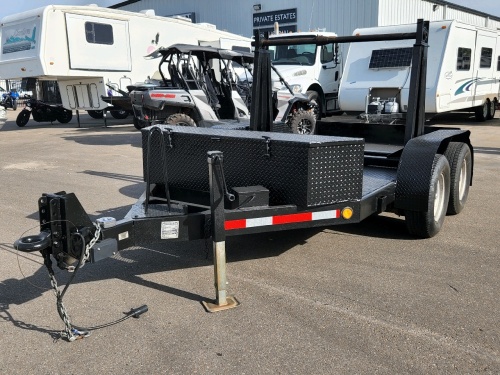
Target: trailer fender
415, 166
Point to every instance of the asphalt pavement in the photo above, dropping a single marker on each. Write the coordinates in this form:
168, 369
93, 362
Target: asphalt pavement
356, 299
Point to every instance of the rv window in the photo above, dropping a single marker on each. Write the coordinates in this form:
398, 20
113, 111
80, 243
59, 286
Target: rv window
498, 63
463, 58
99, 33
391, 58
486, 54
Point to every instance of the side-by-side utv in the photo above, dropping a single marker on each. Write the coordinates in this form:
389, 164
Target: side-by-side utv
206, 86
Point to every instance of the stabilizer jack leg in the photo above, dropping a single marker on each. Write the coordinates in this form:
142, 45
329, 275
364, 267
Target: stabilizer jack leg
217, 191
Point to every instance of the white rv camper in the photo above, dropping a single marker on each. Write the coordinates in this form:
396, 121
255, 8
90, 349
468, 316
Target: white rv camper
463, 71
89, 48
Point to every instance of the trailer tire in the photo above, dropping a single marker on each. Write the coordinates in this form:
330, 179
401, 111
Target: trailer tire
303, 122
460, 160
428, 224
96, 114
119, 114
140, 124
23, 118
482, 111
180, 119
64, 116
315, 100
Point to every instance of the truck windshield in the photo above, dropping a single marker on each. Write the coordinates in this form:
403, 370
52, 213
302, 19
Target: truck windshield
303, 54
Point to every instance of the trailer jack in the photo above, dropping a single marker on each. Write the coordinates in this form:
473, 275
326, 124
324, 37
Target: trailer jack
218, 191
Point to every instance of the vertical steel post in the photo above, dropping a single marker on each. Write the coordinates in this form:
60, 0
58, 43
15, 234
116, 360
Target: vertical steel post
415, 115
217, 190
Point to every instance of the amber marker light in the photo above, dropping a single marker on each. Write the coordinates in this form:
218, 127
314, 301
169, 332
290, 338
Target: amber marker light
443, 27
347, 213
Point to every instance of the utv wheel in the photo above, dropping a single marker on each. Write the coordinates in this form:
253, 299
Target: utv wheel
64, 116
314, 98
303, 122
96, 114
140, 124
482, 112
23, 118
428, 224
119, 115
459, 157
180, 119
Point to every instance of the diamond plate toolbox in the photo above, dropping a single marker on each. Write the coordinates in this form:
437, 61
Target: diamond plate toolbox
304, 170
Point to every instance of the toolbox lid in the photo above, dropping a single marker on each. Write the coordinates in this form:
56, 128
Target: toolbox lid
308, 139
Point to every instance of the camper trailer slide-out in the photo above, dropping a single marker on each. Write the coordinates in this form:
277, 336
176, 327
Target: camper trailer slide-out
88, 49
463, 71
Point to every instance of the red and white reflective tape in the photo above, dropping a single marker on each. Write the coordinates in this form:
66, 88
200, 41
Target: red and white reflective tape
281, 219
163, 95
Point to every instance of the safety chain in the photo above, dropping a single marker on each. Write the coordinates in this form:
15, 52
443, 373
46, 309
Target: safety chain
91, 243
70, 333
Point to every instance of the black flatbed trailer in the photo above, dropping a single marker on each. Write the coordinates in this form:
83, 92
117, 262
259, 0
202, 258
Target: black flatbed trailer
208, 182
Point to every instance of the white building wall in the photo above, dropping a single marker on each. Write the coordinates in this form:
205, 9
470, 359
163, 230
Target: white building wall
395, 12
236, 16
339, 16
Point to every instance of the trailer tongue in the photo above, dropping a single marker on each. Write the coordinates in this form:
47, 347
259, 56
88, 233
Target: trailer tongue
212, 182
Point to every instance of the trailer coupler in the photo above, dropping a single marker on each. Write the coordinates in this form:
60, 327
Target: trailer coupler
66, 232
69, 236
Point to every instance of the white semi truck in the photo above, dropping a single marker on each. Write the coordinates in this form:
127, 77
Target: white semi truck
309, 68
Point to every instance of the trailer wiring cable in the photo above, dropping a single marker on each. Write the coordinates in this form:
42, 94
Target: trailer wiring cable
73, 332
408, 70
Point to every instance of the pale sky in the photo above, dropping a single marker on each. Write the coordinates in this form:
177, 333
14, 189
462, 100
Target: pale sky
487, 6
